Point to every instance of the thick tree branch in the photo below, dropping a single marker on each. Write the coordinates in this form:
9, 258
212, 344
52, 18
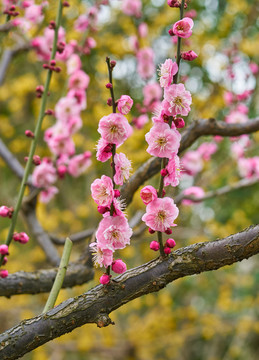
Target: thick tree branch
193, 132
96, 305
42, 280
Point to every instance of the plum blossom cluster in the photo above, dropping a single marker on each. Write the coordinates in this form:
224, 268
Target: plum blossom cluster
145, 55
164, 140
113, 232
248, 167
59, 137
21, 237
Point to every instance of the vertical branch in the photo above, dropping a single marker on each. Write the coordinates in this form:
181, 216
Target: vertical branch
60, 276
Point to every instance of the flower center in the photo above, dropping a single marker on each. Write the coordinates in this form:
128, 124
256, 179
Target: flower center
161, 215
161, 141
114, 129
178, 101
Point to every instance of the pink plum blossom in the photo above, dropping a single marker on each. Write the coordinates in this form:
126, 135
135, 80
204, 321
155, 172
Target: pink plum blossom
249, 167
194, 191
152, 92
114, 128
81, 23
80, 96
192, 162
177, 100
132, 7
66, 108
104, 150
167, 71
48, 193
145, 62
101, 255
119, 267
61, 144
125, 104
173, 171
189, 55
254, 68
228, 97
160, 214
122, 168
140, 121
45, 174
79, 80
148, 194
242, 108
102, 191
236, 117
183, 28
143, 30
206, 150
162, 140
79, 164
34, 14
114, 232
73, 64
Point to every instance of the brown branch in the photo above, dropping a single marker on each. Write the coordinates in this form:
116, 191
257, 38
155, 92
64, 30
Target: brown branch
193, 132
218, 192
96, 305
6, 27
42, 280
7, 58
12, 162
29, 213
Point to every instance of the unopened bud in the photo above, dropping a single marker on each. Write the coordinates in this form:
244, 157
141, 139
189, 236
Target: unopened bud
113, 63
154, 245
36, 160
52, 25
163, 172
109, 101
116, 193
29, 133
167, 250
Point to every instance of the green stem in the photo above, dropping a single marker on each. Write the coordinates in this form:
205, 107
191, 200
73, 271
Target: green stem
36, 135
60, 276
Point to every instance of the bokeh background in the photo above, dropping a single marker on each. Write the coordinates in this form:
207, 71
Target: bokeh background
212, 316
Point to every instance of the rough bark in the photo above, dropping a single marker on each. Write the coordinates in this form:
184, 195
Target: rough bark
193, 132
96, 305
41, 281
